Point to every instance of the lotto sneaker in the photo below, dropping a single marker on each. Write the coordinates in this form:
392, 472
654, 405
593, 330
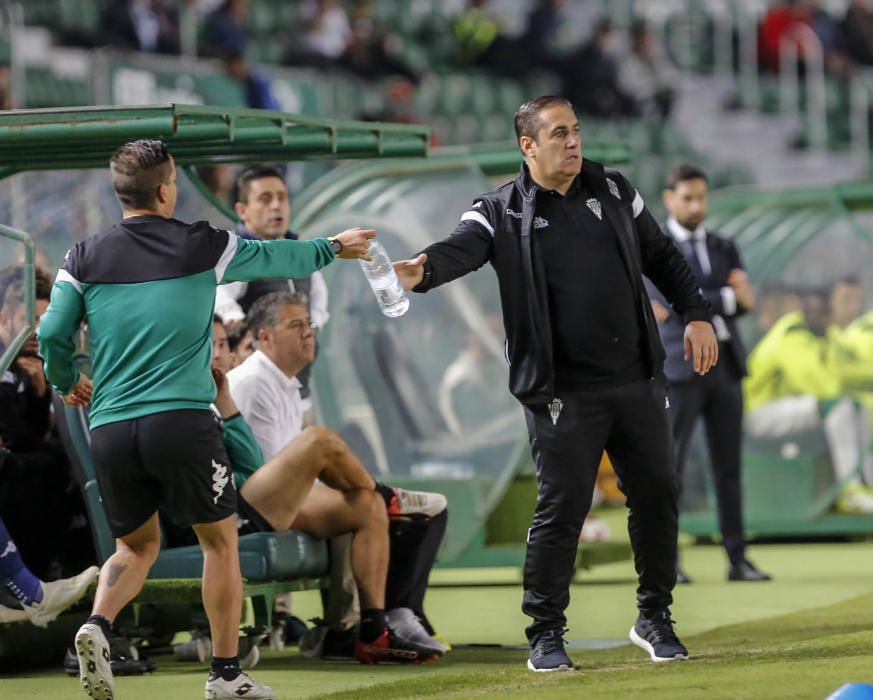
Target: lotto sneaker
547, 653
416, 503
406, 625
243, 686
655, 635
388, 647
57, 596
95, 673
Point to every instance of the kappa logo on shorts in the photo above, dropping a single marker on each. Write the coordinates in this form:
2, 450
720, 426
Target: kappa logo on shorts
219, 480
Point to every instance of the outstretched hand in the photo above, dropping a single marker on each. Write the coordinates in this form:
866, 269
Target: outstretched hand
701, 345
356, 243
410, 272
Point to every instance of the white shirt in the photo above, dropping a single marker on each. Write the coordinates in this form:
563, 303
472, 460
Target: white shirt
728, 297
269, 400
227, 306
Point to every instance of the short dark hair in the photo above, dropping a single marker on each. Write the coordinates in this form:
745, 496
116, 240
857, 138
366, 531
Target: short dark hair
851, 280
527, 118
217, 319
236, 333
683, 172
249, 175
266, 312
43, 284
138, 169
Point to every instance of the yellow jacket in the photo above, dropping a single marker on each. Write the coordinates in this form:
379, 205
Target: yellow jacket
790, 360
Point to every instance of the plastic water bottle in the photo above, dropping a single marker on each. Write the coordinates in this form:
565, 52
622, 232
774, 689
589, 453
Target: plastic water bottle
383, 280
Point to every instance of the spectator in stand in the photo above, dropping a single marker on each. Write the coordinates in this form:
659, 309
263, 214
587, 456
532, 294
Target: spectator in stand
224, 29
256, 85
589, 77
264, 396
543, 42
793, 387
326, 34
787, 18
142, 25
371, 51
5, 88
647, 76
478, 40
33, 460
857, 29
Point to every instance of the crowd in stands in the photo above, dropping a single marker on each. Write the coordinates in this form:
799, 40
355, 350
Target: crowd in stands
843, 41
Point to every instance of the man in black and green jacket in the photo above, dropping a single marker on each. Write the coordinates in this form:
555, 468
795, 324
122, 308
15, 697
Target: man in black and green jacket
147, 289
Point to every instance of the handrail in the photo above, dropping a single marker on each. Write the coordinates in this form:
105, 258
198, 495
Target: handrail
814, 77
29, 300
860, 100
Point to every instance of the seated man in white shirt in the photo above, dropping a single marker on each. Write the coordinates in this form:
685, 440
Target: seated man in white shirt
284, 494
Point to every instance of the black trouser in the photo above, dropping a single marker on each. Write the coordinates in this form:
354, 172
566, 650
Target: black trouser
717, 397
414, 547
632, 424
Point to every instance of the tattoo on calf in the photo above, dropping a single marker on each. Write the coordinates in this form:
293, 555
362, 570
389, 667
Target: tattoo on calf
115, 571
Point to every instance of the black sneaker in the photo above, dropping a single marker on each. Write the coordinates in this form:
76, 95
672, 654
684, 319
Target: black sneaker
547, 653
655, 635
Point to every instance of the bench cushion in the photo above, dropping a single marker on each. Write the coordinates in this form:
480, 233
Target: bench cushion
264, 556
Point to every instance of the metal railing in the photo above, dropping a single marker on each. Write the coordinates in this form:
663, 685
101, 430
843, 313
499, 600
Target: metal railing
860, 101
801, 58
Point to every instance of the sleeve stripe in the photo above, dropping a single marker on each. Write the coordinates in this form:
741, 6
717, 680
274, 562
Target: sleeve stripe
226, 256
638, 204
64, 276
477, 217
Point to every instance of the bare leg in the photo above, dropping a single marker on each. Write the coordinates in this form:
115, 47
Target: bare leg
125, 571
328, 512
279, 488
222, 584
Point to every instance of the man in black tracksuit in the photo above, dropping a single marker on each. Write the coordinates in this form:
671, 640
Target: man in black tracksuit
570, 242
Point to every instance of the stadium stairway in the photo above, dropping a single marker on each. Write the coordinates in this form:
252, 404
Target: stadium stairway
762, 142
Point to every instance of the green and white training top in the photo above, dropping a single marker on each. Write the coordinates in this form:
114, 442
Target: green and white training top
147, 287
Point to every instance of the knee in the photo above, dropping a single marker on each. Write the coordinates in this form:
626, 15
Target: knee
146, 551
370, 506
323, 443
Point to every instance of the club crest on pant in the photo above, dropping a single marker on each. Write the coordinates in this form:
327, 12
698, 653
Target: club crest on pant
555, 410
594, 206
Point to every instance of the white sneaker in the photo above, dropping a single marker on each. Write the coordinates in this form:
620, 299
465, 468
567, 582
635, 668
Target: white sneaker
422, 503
406, 625
240, 687
95, 673
11, 615
57, 596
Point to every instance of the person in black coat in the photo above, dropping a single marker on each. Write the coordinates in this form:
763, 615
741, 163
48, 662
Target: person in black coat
716, 397
570, 241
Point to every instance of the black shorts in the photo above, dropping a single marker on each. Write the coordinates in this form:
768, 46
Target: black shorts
174, 459
249, 520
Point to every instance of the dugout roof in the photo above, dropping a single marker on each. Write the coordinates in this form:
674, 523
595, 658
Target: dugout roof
83, 137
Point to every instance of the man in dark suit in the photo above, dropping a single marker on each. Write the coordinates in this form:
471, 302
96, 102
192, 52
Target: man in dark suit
716, 397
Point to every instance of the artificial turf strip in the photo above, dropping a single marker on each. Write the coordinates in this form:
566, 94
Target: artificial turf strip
806, 654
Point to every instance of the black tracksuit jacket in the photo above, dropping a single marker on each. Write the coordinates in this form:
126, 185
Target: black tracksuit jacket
498, 230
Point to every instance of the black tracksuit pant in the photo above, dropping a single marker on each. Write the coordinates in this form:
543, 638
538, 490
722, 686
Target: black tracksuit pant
632, 423
717, 397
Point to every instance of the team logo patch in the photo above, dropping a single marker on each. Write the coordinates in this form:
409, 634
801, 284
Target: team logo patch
540, 222
594, 206
219, 480
613, 188
555, 408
